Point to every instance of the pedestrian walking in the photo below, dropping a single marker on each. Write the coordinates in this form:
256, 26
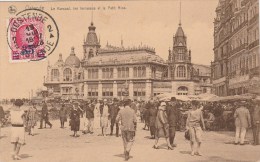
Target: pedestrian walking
18, 118
2, 116
152, 118
104, 117
162, 126
173, 115
127, 118
256, 122
113, 111
89, 113
75, 119
63, 115
242, 122
45, 115
31, 118
193, 124
146, 119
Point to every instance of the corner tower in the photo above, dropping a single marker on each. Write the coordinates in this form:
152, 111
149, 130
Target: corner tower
91, 43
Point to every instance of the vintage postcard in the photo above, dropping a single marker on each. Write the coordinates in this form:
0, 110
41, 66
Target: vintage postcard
140, 81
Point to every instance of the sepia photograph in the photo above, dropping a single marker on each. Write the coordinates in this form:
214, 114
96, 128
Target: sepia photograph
136, 80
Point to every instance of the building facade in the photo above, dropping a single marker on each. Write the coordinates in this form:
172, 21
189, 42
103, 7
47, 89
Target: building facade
136, 72
236, 47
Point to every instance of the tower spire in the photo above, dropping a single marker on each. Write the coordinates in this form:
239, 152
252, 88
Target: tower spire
92, 15
180, 14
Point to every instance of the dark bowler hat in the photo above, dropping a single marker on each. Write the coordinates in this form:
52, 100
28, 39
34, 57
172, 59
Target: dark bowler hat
127, 102
18, 102
173, 99
115, 100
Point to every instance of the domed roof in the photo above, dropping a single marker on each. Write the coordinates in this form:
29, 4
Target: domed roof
92, 36
72, 60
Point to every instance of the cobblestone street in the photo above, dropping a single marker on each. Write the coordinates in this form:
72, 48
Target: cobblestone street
56, 145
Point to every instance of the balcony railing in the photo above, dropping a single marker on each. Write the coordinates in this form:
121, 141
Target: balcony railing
254, 19
253, 44
243, 46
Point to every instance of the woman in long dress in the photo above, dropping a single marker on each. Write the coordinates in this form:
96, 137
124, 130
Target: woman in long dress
75, 119
162, 126
31, 117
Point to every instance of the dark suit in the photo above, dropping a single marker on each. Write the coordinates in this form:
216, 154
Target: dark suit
152, 119
173, 118
45, 116
113, 111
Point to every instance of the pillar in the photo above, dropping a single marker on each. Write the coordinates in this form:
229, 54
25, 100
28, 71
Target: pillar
85, 90
99, 90
114, 89
148, 89
131, 72
115, 73
131, 89
148, 72
99, 73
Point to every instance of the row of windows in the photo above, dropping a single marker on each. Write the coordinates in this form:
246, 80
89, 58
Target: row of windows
139, 72
181, 71
107, 73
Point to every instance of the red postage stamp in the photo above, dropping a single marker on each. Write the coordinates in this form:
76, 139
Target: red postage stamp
27, 41
32, 35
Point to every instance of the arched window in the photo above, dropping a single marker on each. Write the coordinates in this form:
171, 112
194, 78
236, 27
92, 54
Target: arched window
143, 72
135, 71
55, 74
127, 72
91, 53
181, 71
139, 73
67, 74
182, 90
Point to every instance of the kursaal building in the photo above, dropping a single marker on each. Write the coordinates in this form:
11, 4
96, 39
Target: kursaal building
114, 72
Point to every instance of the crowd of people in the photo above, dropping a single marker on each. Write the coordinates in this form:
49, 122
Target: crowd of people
161, 118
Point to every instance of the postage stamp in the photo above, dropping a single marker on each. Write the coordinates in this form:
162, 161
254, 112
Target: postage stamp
32, 35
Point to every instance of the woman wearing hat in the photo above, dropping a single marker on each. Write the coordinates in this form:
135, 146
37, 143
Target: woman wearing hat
75, 119
31, 117
194, 120
162, 126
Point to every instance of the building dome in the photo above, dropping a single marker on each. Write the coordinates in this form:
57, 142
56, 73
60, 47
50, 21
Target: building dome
92, 36
72, 60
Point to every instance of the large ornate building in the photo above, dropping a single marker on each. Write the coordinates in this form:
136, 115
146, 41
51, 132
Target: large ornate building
135, 72
236, 47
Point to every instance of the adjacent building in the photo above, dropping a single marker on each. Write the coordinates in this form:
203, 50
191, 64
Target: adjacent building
236, 47
137, 72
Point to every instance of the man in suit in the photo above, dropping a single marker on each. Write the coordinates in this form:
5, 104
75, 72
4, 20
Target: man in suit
242, 122
113, 111
127, 118
173, 118
89, 123
45, 115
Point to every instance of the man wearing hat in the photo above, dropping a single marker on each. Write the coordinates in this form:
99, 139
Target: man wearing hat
127, 118
242, 122
45, 115
113, 111
173, 118
104, 116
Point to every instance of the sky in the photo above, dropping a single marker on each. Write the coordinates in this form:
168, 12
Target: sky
151, 23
